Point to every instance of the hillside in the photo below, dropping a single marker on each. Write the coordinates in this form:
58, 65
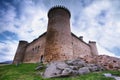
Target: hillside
6, 62
27, 72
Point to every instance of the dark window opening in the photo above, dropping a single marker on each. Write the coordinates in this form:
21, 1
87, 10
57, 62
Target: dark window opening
41, 59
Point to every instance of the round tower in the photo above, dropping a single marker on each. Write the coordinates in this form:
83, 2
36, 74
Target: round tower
93, 47
58, 39
19, 56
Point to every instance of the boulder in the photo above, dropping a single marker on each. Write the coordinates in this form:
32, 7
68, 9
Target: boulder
108, 62
84, 70
69, 68
74, 67
94, 68
39, 67
61, 65
52, 71
66, 72
75, 72
78, 62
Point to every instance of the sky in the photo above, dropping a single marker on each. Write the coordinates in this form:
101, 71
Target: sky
95, 20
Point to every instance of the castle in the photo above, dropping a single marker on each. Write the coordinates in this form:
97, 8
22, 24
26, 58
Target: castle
57, 44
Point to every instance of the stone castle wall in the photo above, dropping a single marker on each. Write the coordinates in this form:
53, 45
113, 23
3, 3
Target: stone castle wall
58, 38
35, 50
93, 48
19, 56
57, 44
80, 48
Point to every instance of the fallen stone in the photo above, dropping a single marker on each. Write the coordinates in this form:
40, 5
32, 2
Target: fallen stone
52, 71
66, 72
74, 67
78, 62
75, 72
108, 62
69, 68
84, 70
107, 74
61, 65
39, 68
112, 76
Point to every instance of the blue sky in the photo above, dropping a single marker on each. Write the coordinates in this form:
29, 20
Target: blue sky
97, 20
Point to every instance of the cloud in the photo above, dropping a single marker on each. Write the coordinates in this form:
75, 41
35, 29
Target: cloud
7, 50
33, 22
97, 22
7, 18
27, 25
103, 51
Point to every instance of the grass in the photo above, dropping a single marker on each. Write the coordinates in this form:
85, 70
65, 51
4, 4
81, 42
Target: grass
27, 72
20, 72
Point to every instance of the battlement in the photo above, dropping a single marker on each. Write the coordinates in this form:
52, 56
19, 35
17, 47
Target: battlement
53, 10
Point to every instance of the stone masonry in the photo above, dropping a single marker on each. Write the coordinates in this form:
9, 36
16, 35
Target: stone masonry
57, 44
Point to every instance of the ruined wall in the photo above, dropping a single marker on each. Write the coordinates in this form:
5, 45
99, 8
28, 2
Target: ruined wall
35, 50
80, 48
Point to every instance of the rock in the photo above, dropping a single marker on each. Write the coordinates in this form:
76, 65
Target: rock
91, 65
61, 65
39, 68
112, 76
74, 67
69, 68
75, 72
39, 73
108, 62
107, 74
78, 62
66, 72
94, 67
79, 66
52, 71
84, 70
117, 78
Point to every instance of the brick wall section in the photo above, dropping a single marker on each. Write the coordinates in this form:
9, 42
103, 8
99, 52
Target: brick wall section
35, 50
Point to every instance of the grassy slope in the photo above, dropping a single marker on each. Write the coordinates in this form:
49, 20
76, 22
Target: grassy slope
27, 72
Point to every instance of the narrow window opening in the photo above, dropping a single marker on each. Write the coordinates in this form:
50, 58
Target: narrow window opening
41, 59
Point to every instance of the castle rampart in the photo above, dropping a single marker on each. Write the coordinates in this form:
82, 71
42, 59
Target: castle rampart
35, 51
57, 44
